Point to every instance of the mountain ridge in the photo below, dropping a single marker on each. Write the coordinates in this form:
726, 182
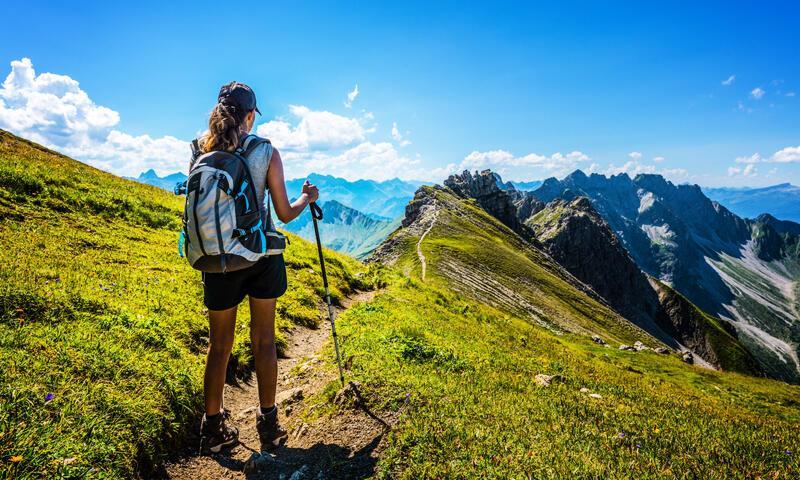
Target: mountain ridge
716, 259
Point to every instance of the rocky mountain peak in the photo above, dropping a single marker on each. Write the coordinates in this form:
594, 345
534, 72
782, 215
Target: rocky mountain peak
481, 184
510, 206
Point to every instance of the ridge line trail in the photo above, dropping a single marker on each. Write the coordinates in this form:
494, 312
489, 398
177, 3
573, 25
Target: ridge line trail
344, 445
422, 237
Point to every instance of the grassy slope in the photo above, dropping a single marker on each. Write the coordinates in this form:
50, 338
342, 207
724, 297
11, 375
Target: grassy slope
97, 308
466, 236
462, 374
731, 354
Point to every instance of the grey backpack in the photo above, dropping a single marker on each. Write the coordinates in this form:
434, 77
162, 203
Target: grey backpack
222, 226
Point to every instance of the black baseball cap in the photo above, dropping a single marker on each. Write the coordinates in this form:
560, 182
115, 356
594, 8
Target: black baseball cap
238, 95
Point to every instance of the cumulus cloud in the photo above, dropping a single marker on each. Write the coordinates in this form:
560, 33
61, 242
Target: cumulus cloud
787, 155
636, 167
522, 168
351, 97
315, 130
757, 93
635, 155
729, 81
377, 161
313, 141
749, 170
790, 94
754, 158
398, 137
53, 110
658, 159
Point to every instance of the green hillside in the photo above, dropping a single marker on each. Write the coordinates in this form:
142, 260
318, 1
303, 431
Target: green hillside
472, 252
97, 308
475, 409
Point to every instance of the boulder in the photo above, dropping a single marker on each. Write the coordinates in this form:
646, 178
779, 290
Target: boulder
688, 357
259, 462
626, 347
640, 347
596, 339
545, 380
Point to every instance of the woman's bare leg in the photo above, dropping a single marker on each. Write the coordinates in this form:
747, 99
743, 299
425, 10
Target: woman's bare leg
262, 337
222, 325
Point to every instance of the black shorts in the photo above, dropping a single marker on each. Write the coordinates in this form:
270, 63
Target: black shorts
264, 279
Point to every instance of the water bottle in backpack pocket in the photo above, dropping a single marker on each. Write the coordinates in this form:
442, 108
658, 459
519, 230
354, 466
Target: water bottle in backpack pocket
222, 226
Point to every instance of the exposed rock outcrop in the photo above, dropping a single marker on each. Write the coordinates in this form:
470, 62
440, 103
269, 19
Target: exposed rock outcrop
509, 206
578, 238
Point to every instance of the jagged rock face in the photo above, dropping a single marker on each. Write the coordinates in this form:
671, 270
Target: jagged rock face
575, 235
507, 205
717, 345
741, 271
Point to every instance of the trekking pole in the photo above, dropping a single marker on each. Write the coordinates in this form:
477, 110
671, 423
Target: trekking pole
316, 214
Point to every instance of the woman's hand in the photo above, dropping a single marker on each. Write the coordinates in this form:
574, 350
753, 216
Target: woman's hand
311, 191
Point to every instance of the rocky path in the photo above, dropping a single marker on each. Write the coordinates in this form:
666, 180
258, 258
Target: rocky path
422, 237
342, 446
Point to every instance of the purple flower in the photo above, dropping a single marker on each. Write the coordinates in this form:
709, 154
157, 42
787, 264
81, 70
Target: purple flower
788, 452
49, 397
638, 446
622, 435
408, 397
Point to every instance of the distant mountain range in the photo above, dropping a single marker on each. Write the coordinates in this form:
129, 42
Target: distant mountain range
781, 201
387, 199
345, 229
168, 182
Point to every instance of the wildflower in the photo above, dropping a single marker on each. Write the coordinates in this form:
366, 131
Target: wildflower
788, 452
16, 459
621, 434
49, 397
638, 446
408, 397
656, 430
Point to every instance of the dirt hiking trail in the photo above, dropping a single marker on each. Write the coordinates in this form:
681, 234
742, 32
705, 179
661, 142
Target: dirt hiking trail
344, 446
421, 255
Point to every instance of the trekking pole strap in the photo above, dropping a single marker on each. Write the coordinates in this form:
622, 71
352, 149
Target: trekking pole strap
316, 211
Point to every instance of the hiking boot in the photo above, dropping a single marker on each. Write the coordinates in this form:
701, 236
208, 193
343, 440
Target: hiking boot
271, 432
215, 434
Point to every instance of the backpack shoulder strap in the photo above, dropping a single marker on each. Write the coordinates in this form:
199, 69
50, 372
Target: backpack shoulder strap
250, 143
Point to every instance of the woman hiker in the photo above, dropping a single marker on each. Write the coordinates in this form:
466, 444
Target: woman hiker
230, 122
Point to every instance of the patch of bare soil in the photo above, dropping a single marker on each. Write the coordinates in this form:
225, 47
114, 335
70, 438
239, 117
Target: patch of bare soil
343, 446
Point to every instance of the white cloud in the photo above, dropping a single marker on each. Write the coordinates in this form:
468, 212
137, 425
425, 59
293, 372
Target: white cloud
757, 93
749, 170
53, 110
729, 81
635, 155
527, 167
631, 167
635, 167
351, 97
787, 155
398, 137
315, 130
754, 158
377, 161
658, 159
790, 94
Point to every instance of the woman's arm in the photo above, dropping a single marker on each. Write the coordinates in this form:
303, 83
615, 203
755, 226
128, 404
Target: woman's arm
286, 211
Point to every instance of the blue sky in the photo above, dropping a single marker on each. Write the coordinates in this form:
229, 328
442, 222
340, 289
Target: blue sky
702, 93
